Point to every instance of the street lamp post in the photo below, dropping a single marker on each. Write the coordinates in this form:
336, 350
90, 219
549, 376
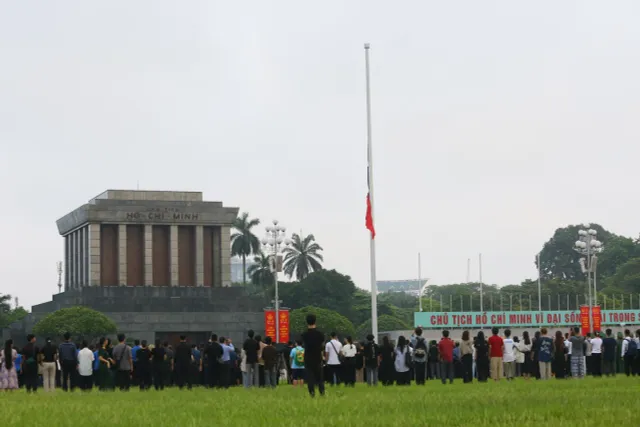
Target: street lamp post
272, 243
588, 246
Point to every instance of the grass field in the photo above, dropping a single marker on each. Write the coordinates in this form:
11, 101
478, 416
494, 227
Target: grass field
591, 402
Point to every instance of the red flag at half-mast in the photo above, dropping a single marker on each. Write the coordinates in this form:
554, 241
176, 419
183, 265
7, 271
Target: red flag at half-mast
369, 219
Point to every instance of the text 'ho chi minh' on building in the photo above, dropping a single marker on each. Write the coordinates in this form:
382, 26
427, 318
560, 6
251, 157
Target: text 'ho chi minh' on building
147, 238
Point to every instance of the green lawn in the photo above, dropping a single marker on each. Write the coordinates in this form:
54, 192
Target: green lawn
591, 402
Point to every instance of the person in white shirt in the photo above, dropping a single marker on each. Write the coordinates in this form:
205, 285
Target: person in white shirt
587, 356
524, 348
567, 345
85, 367
332, 357
349, 362
519, 354
629, 352
596, 356
508, 356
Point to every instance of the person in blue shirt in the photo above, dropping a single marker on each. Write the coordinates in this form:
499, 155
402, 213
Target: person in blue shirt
195, 363
18, 365
235, 375
297, 364
96, 364
225, 369
545, 354
134, 351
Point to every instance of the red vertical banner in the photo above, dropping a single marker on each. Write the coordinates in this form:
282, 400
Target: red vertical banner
270, 324
597, 318
584, 319
283, 324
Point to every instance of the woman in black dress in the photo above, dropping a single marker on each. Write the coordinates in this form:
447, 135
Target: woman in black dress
387, 369
535, 352
525, 347
559, 362
482, 358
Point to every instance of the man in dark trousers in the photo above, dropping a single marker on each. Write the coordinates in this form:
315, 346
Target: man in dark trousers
251, 348
182, 358
124, 363
209, 362
313, 341
143, 366
30, 364
68, 353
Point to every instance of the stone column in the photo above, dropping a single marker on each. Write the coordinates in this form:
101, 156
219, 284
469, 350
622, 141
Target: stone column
216, 260
94, 255
80, 257
225, 255
87, 257
173, 254
77, 254
67, 262
122, 254
74, 268
199, 255
148, 255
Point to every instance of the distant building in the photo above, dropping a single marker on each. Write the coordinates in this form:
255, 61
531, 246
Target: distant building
236, 269
157, 263
411, 286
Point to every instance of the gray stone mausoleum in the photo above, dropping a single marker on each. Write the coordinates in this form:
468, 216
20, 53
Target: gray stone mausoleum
157, 263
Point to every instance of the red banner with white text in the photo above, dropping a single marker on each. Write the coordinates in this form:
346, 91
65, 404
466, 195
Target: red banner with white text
597, 318
284, 326
270, 324
584, 319
282, 323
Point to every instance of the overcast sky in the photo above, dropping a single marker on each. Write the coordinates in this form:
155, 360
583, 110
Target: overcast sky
494, 123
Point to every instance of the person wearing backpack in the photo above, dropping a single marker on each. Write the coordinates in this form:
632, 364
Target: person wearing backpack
636, 365
629, 353
466, 354
419, 356
371, 360
124, 363
297, 364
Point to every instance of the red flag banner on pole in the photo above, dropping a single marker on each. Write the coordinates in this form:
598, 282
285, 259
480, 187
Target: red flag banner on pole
270, 324
597, 318
283, 323
584, 319
369, 219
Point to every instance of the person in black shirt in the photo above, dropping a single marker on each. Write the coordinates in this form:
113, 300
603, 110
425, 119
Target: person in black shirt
609, 345
158, 356
371, 355
211, 360
313, 341
30, 364
49, 358
182, 361
251, 348
143, 366
68, 362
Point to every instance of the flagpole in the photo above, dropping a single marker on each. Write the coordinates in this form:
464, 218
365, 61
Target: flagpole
540, 285
420, 281
480, 278
372, 242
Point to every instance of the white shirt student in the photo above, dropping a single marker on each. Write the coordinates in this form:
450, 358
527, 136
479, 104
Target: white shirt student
85, 362
349, 350
568, 346
596, 345
332, 350
508, 355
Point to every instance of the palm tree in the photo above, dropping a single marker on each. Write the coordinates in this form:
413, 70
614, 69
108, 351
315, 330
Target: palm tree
302, 257
244, 242
260, 271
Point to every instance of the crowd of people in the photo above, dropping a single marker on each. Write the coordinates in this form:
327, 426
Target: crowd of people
315, 359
